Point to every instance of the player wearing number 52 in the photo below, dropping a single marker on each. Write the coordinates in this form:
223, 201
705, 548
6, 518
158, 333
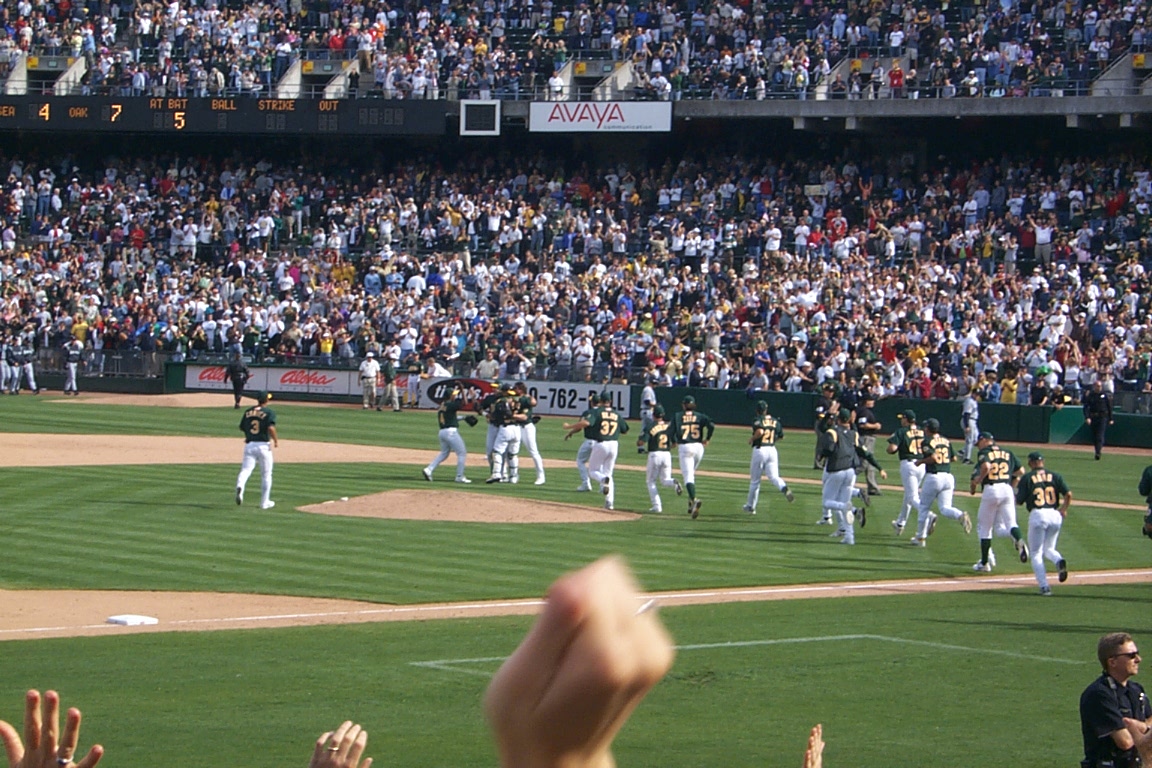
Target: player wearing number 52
693, 430
939, 484
1046, 496
998, 471
259, 427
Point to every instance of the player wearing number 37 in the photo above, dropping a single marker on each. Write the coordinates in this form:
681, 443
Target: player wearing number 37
259, 427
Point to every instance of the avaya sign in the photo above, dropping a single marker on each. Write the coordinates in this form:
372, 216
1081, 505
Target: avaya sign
600, 117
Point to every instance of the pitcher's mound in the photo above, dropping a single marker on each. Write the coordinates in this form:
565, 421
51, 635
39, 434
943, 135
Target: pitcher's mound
452, 506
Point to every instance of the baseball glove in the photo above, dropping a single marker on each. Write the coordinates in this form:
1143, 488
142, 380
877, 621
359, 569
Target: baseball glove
535, 419
1148, 525
470, 420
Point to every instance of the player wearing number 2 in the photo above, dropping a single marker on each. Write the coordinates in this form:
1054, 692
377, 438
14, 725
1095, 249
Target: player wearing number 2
259, 427
693, 430
998, 471
766, 430
1046, 496
659, 438
939, 484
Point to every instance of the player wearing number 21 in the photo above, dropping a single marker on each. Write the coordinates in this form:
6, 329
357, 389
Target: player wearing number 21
259, 427
693, 430
997, 471
1046, 496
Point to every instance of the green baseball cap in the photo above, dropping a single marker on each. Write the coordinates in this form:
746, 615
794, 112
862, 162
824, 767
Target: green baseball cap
688, 400
1035, 456
909, 414
845, 414
986, 436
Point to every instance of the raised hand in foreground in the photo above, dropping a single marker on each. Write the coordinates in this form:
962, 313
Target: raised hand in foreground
43, 746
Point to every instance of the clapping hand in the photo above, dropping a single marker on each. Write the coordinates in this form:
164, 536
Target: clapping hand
341, 748
43, 746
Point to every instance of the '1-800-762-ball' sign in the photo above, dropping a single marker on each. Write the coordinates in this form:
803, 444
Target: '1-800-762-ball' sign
552, 398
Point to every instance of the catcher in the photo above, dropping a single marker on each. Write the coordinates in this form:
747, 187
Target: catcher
1146, 492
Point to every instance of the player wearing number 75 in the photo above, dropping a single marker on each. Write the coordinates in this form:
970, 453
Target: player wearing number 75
998, 471
692, 431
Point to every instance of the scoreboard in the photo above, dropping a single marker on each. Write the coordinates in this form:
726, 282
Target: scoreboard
233, 115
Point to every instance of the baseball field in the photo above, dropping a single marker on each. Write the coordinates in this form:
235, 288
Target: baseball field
275, 625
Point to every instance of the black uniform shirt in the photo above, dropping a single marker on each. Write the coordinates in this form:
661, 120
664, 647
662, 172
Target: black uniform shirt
1103, 707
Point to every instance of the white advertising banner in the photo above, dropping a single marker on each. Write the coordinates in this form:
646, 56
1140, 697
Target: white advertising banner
553, 398
319, 381
600, 117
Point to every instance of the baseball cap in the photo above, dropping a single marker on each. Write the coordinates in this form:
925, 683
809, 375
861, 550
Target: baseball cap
909, 414
761, 406
263, 397
1035, 456
370, 354
986, 436
658, 411
932, 424
845, 414
688, 400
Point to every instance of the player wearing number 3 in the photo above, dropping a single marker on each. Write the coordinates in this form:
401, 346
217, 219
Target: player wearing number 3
998, 471
1041, 491
259, 427
693, 430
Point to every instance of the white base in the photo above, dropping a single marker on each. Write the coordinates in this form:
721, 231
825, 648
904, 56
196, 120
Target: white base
132, 620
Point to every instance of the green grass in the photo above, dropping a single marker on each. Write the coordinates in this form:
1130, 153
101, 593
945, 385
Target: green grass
259, 697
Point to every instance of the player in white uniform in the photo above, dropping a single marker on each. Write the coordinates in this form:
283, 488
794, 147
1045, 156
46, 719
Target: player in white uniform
998, 471
906, 442
508, 417
73, 351
259, 427
693, 431
939, 484
647, 405
528, 430
584, 452
842, 453
766, 430
450, 440
658, 443
607, 426
970, 421
1040, 491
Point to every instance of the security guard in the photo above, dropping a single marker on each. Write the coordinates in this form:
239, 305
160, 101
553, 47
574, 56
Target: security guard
1110, 699
1098, 415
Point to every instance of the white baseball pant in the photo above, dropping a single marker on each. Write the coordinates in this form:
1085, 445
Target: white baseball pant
911, 476
412, 392
690, 455
70, 377
257, 453
450, 442
997, 513
938, 488
5, 375
659, 473
602, 464
765, 463
971, 436
490, 442
837, 496
1043, 530
505, 452
30, 377
583, 456
528, 439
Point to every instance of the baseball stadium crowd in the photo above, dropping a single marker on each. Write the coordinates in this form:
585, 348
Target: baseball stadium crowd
730, 271
678, 49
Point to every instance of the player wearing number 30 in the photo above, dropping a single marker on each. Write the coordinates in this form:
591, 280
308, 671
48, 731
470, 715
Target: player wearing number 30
259, 427
693, 430
939, 484
1046, 496
998, 471
448, 417
660, 438
766, 430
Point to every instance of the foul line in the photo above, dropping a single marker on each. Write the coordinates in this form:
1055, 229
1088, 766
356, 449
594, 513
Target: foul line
454, 665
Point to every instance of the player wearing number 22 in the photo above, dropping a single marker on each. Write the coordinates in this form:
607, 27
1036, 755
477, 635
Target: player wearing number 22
939, 484
693, 430
606, 426
1046, 496
259, 427
997, 470
766, 430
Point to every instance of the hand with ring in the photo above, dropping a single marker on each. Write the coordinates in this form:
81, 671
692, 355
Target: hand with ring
341, 748
43, 745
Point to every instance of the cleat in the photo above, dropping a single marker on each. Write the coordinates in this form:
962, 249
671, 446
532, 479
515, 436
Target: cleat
863, 516
268, 505
539, 481
1046, 591
583, 489
1062, 569
789, 495
239, 496
463, 480
824, 521
983, 567
991, 558
966, 521
427, 474
679, 488
848, 541
515, 480
932, 518
840, 533
654, 511
492, 479
916, 541
695, 512
608, 506
1022, 548
898, 527
748, 509
605, 486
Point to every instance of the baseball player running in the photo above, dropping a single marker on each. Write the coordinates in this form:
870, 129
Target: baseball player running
998, 471
939, 485
448, 416
508, 418
528, 430
584, 452
970, 421
259, 427
607, 425
766, 430
660, 438
693, 431
907, 442
1040, 491
841, 450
